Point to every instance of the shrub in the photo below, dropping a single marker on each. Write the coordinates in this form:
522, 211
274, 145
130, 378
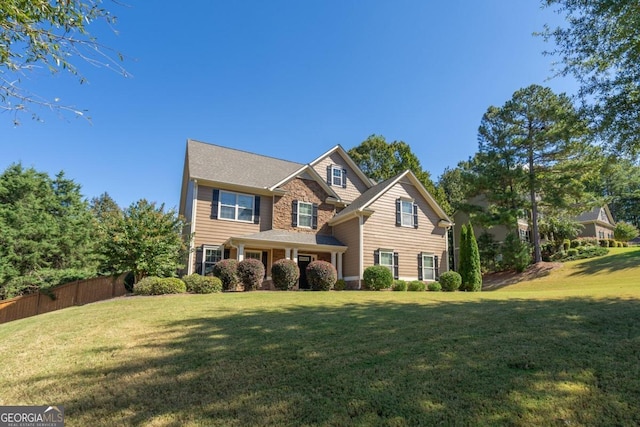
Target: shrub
572, 252
399, 285
558, 256
416, 286
227, 271
575, 243
434, 286
198, 284
285, 274
612, 243
42, 280
340, 285
516, 253
159, 286
625, 244
566, 244
377, 277
321, 275
250, 273
604, 243
450, 281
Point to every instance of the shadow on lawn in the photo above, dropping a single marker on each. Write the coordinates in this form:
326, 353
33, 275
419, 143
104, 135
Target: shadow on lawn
610, 263
516, 362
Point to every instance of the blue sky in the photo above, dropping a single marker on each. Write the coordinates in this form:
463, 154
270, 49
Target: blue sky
289, 79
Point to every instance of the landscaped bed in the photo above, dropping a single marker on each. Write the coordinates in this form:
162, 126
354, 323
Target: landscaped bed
561, 350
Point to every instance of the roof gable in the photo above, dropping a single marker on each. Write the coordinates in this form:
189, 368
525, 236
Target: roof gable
374, 193
600, 214
348, 160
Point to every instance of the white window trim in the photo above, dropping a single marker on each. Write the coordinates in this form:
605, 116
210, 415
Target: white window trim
246, 254
204, 257
340, 169
389, 266
402, 212
236, 207
300, 215
432, 269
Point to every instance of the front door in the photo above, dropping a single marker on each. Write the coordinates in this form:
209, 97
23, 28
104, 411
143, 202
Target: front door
303, 262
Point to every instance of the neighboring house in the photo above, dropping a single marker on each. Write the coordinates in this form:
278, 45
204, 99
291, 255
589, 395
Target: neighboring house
598, 223
498, 232
244, 205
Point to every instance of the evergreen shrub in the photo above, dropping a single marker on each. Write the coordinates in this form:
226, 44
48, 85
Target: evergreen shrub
416, 286
285, 274
399, 285
153, 285
321, 275
434, 286
340, 285
450, 281
198, 284
377, 277
250, 273
227, 271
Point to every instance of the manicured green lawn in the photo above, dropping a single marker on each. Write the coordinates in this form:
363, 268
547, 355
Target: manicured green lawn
562, 350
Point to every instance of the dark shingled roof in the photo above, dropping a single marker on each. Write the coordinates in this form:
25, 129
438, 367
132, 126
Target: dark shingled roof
292, 237
221, 164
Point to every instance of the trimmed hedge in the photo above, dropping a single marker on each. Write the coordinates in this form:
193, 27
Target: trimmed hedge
285, 274
227, 271
198, 284
251, 273
321, 275
159, 286
434, 286
450, 281
377, 277
399, 285
340, 285
416, 286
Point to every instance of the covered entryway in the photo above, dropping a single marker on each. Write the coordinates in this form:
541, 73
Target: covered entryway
303, 262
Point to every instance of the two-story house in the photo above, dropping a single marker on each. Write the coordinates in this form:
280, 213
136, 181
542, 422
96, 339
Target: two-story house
244, 205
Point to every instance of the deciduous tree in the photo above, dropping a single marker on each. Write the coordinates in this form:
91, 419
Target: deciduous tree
52, 35
382, 160
144, 239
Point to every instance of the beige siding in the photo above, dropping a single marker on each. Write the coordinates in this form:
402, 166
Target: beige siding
380, 231
215, 231
348, 234
355, 186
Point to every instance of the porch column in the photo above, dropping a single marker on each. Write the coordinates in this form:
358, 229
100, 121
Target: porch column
339, 265
240, 252
287, 253
333, 260
295, 255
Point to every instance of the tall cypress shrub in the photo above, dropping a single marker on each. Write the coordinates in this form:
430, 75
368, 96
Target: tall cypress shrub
463, 267
475, 273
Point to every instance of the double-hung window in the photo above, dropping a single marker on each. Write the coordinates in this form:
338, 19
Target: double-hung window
305, 214
386, 259
406, 213
212, 255
428, 267
235, 206
336, 176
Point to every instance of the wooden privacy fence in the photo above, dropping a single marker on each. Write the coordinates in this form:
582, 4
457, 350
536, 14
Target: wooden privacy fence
75, 293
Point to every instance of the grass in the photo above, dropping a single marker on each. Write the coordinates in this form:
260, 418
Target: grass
562, 350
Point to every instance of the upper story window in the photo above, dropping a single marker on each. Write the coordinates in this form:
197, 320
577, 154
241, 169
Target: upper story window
336, 176
235, 206
304, 214
406, 213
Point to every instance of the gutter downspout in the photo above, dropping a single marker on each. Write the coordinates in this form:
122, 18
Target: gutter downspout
361, 249
192, 232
